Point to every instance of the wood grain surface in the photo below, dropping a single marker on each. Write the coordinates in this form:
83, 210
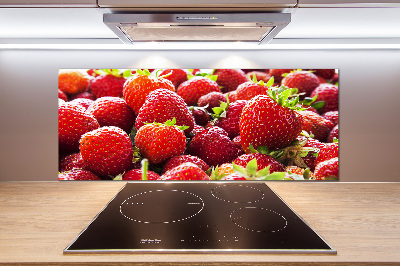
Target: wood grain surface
360, 220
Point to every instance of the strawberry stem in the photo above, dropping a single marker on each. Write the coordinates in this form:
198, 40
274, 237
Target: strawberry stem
145, 163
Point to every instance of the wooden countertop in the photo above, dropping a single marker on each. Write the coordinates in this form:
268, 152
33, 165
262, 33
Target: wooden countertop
360, 220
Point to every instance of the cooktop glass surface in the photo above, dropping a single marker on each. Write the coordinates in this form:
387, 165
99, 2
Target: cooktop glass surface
198, 217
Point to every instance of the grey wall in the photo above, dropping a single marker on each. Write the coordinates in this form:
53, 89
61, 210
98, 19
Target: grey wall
369, 101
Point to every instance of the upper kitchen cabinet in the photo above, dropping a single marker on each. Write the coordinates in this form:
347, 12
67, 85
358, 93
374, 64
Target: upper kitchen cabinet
347, 3
48, 3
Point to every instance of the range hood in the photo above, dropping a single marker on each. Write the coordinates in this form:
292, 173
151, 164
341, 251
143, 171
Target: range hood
257, 28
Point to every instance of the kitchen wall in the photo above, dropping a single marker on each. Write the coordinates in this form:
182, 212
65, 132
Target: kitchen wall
369, 101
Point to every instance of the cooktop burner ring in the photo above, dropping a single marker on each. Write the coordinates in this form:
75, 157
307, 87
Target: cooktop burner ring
261, 226
195, 203
231, 194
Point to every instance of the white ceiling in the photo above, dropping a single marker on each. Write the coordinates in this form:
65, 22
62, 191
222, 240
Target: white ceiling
86, 23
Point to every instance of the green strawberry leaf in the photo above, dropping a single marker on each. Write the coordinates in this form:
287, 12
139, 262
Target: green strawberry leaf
251, 167
318, 105
263, 149
213, 77
264, 172
218, 110
306, 173
270, 82
127, 73
254, 78
238, 169
190, 76
251, 148
118, 177
276, 176
170, 122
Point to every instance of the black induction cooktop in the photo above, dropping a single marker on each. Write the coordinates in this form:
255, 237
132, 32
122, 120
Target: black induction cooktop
198, 217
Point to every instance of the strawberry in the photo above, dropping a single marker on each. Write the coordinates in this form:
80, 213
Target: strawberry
230, 120
112, 111
211, 100
92, 72
218, 130
85, 95
226, 169
185, 171
238, 142
233, 177
325, 73
106, 151
298, 173
162, 105
136, 88
72, 81
62, 95
316, 124
333, 134
136, 174
327, 170
303, 81
197, 130
230, 79
70, 162
73, 122
160, 142
263, 161
331, 150
332, 116
192, 89
77, 174
176, 76
259, 76
264, 122
329, 94
213, 147
178, 160
85, 103
107, 85
248, 70
200, 115
278, 73
334, 79
231, 95
251, 169
309, 160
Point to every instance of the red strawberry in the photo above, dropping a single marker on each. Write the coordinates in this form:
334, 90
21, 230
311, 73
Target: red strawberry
107, 85
213, 147
106, 151
250, 89
112, 111
85, 103
334, 79
233, 177
325, 73
304, 81
259, 76
231, 95
196, 130
176, 76
332, 116
211, 100
73, 122
329, 94
331, 150
277, 73
238, 142
334, 134
70, 162
327, 170
316, 124
185, 171
192, 89
264, 122
139, 86
92, 72
309, 160
77, 174
178, 160
230, 121
218, 130
160, 142
72, 81
248, 70
136, 174
201, 117
263, 161
162, 105
85, 95
62, 95
230, 79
